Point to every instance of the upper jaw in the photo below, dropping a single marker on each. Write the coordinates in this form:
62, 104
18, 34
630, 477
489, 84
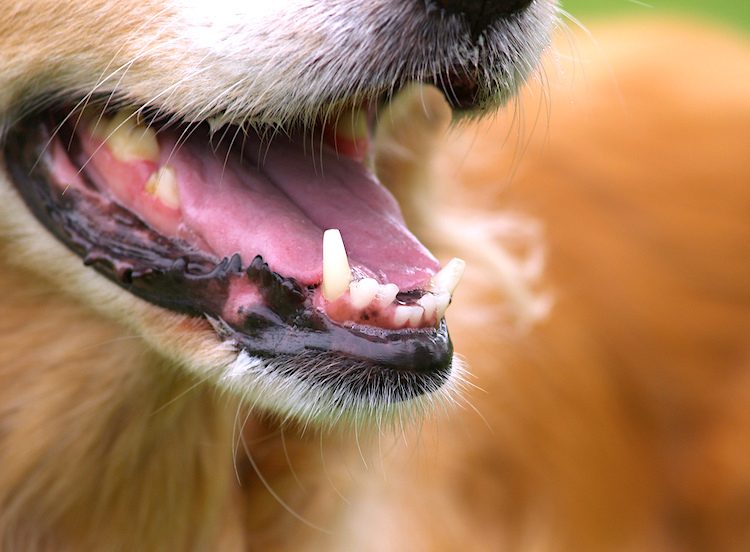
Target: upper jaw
407, 342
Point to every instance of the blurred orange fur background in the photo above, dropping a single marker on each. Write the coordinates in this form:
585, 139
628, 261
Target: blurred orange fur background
622, 422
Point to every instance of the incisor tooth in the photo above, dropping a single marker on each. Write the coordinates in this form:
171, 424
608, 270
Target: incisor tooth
363, 292
449, 276
336, 271
442, 300
428, 303
415, 317
387, 294
162, 184
401, 315
128, 140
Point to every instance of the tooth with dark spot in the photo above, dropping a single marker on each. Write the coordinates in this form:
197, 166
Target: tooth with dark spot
162, 184
336, 271
449, 276
363, 292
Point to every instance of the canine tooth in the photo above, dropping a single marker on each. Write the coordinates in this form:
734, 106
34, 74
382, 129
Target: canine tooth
387, 294
336, 271
363, 292
428, 303
442, 300
449, 276
130, 141
162, 184
352, 124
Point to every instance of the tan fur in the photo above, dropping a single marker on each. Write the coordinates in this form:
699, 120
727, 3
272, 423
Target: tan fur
621, 423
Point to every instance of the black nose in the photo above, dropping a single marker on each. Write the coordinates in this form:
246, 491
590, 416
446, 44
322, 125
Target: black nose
480, 14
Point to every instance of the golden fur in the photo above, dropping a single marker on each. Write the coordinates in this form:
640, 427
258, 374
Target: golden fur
620, 423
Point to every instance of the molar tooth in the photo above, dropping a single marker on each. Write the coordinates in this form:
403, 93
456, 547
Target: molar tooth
387, 294
363, 292
428, 303
352, 124
128, 140
449, 276
442, 300
336, 272
162, 184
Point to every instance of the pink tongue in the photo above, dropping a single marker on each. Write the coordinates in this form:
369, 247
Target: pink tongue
276, 202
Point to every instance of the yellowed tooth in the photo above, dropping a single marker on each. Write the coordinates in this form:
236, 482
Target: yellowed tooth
449, 276
336, 272
128, 140
363, 292
352, 124
163, 185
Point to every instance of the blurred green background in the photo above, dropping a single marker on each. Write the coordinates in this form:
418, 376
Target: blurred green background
734, 12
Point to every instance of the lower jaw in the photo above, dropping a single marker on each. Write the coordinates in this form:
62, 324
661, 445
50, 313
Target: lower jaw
387, 364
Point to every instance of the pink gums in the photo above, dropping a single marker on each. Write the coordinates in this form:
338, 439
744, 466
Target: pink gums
273, 200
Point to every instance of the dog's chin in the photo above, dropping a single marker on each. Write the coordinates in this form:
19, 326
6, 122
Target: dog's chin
211, 242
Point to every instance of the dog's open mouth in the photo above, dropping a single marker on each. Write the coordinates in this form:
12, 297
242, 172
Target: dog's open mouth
287, 243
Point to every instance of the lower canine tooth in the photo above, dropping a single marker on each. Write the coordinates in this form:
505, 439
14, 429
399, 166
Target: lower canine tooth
449, 276
128, 140
162, 184
363, 292
336, 271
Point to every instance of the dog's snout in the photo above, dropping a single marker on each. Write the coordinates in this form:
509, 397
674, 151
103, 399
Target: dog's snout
480, 14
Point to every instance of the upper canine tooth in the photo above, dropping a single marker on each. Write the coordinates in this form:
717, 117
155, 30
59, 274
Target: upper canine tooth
163, 185
336, 271
363, 292
449, 276
128, 140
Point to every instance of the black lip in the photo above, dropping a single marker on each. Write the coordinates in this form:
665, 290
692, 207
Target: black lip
175, 276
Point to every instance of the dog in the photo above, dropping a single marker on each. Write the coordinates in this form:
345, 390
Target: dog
160, 392
188, 189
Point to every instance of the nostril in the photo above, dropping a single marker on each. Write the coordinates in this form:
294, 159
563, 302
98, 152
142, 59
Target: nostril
480, 14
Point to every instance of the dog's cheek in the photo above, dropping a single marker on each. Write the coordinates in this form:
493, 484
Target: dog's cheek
409, 131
